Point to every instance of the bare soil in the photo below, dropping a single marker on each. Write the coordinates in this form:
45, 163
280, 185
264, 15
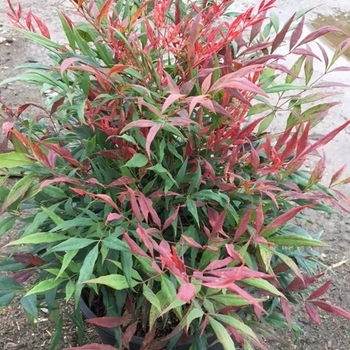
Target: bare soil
16, 333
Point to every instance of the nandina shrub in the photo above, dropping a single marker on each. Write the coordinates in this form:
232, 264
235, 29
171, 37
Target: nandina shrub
157, 183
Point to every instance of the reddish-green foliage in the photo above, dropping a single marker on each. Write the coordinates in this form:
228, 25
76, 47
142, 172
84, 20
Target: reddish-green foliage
161, 181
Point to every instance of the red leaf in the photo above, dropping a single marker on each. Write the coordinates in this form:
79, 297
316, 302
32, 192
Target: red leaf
104, 11
55, 106
313, 314
218, 264
93, 346
129, 333
192, 242
318, 33
320, 291
337, 175
23, 276
109, 321
186, 292
305, 52
146, 206
28, 259
170, 100
134, 247
333, 309
299, 284
325, 139
42, 27
176, 260
216, 220
284, 218
303, 139
107, 199
287, 310
281, 35
67, 63
134, 206
59, 179
171, 218
241, 292
297, 32
233, 253
150, 137
141, 123
259, 217
206, 84
242, 228
113, 216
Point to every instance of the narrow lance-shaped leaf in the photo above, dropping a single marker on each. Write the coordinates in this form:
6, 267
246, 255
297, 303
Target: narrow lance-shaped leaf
242, 228
287, 310
332, 309
297, 33
318, 33
281, 35
325, 139
313, 314
104, 11
222, 334
150, 137
282, 219
319, 292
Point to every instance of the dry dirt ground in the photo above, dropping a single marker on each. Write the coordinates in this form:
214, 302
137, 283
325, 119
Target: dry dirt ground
334, 334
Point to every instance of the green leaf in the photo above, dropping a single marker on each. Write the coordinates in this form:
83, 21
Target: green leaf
266, 123
57, 336
6, 224
238, 325
192, 315
176, 303
86, 271
18, 191
286, 259
52, 215
192, 208
70, 288
195, 180
296, 241
67, 260
258, 109
263, 284
74, 223
296, 68
29, 304
73, 243
46, 285
54, 192
43, 41
222, 334
6, 298
127, 263
38, 238
230, 300
35, 224
284, 87
168, 288
308, 69
115, 281
151, 297
137, 161
67, 31
115, 243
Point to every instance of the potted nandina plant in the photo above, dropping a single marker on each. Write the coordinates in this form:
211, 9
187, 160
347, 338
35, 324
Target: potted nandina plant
154, 190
